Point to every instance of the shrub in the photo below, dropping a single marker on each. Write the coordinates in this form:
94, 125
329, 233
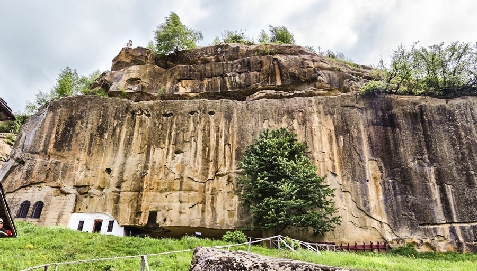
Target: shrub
5, 127
236, 237
10, 139
291, 243
372, 87
408, 250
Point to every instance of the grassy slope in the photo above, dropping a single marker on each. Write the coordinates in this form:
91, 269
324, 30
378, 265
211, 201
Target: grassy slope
39, 245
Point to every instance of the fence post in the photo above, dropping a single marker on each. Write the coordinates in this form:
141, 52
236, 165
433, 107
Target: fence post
249, 243
144, 264
56, 267
279, 239
46, 267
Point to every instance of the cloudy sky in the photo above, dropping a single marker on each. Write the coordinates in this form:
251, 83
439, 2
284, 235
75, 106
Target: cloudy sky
40, 38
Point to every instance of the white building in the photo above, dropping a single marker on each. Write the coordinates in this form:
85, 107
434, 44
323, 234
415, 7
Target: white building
96, 222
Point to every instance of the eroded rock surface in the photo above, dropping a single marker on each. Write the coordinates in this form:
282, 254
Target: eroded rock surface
211, 259
232, 71
5, 149
403, 167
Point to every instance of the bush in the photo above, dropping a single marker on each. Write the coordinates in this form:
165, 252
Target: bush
291, 243
5, 127
373, 87
236, 237
407, 251
10, 139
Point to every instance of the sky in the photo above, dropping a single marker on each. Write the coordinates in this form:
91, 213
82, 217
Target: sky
41, 38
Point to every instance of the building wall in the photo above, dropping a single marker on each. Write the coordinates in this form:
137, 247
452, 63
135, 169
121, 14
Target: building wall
57, 206
89, 222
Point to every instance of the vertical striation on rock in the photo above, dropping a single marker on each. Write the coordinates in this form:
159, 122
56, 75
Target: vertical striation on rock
403, 167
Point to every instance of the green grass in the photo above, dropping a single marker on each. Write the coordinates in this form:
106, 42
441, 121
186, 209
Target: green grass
41, 245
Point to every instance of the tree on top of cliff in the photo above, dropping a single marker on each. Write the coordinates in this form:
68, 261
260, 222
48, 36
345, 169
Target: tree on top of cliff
281, 186
68, 83
277, 34
173, 36
233, 37
436, 70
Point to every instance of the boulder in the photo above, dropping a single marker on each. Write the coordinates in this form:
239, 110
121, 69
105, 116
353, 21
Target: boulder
211, 259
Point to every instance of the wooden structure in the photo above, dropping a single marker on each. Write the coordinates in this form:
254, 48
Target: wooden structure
5, 111
371, 247
5, 214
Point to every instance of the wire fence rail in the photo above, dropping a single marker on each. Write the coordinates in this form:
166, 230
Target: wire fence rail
274, 241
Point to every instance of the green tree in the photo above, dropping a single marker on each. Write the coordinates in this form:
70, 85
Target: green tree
173, 36
233, 37
84, 82
277, 34
436, 70
281, 186
67, 84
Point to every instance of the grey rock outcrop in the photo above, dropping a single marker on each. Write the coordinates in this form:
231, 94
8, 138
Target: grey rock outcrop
210, 259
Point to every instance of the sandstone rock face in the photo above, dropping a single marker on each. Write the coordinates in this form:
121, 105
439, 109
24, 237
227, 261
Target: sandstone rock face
5, 149
228, 71
403, 167
211, 259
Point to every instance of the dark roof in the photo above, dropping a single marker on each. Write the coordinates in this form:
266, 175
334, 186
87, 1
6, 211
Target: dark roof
5, 214
5, 111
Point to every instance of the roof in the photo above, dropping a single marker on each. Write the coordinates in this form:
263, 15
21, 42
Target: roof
5, 111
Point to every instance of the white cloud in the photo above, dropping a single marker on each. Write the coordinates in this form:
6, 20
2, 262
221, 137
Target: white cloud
39, 38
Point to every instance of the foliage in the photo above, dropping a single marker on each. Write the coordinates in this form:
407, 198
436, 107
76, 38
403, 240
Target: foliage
173, 36
10, 139
437, 70
4, 127
68, 83
20, 119
291, 243
234, 237
373, 87
311, 49
408, 251
233, 37
37, 245
85, 82
277, 34
281, 186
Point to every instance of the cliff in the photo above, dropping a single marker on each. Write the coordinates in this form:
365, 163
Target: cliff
165, 160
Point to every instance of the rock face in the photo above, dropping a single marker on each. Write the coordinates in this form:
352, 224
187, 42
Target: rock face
5, 149
211, 259
403, 167
232, 71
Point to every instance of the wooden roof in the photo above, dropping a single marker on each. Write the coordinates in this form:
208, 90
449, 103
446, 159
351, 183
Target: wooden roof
5, 111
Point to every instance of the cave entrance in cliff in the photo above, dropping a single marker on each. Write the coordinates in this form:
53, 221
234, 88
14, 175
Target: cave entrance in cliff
98, 223
152, 220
